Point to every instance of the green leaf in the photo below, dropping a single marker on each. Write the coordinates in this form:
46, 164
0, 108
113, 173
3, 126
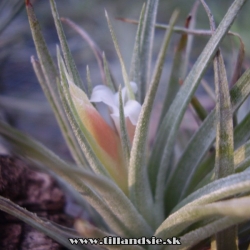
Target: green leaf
242, 157
190, 24
224, 163
109, 78
71, 67
135, 67
235, 208
180, 67
192, 238
205, 173
124, 71
47, 70
199, 145
242, 131
176, 76
84, 138
224, 149
217, 190
124, 134
140, 194
37, 152
119, 204
60, 115
241, 134
199, 109
47, 75
164, 144
147, 40
112, 195
239, 63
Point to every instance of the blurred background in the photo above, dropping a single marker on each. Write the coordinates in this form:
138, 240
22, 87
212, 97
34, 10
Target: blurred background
22, 102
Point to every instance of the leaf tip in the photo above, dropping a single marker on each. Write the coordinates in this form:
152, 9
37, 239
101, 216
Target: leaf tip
106, 13
27, 3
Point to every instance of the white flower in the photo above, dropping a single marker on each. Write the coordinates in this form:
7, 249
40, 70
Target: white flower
132, 108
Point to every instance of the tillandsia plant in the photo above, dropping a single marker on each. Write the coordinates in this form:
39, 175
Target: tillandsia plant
147, 197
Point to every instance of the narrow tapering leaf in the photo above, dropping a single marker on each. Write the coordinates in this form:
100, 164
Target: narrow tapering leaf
189, 46
166, 137
124, 134
61, 117
202, 172
205, 136
147, 41
71, 67
219, 189
103, 152
47, 75
192, 238
224, 156
47, 65
138, 180
242, 131
109, 78
199, 109
205, 174
83, 136
242, 157
175, 223
116, 200
124, 71
176, 76
135, 70
239, 62
224, 164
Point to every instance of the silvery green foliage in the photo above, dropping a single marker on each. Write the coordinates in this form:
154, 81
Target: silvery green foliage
195, 199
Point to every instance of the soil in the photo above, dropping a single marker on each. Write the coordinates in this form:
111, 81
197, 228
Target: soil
38, 193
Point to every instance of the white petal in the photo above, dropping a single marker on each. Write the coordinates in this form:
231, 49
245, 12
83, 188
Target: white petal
125, 93
132, 110
134, 87
103, 94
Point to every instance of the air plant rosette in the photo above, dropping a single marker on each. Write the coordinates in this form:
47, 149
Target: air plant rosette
141, 190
